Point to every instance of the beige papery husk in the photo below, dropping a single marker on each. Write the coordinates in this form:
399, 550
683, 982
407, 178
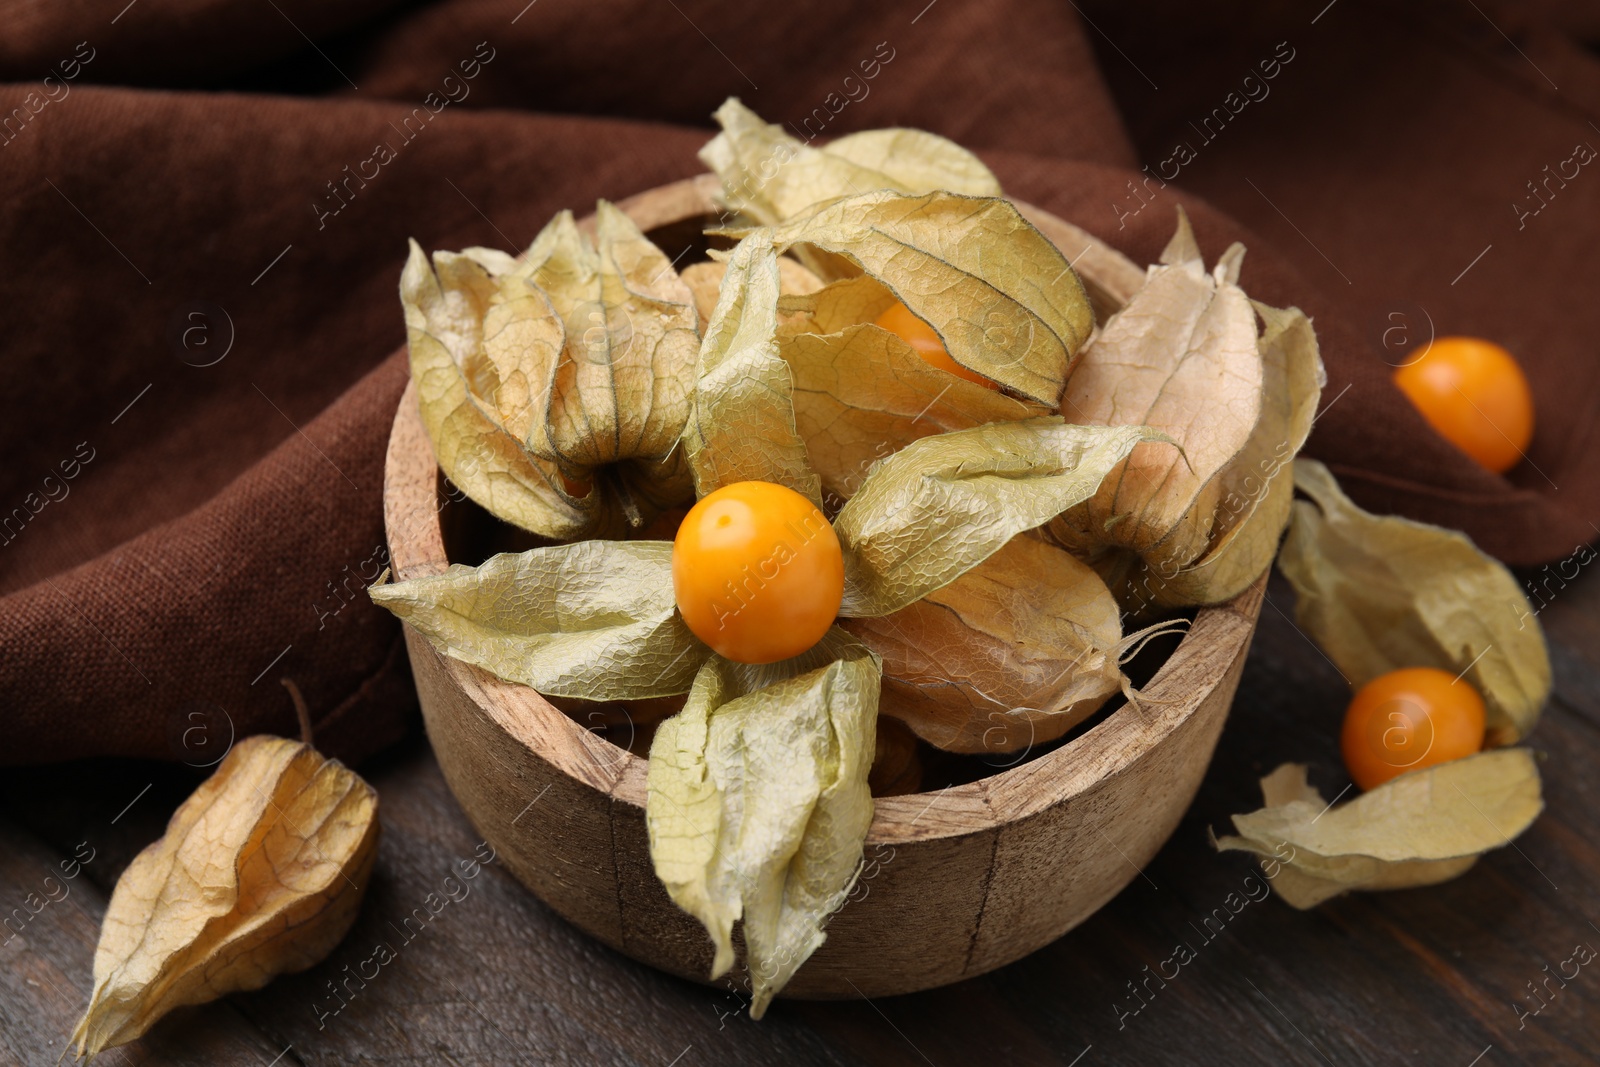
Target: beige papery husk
1234, 386
261, 872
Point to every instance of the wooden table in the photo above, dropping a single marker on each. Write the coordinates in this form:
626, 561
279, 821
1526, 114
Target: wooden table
1428, 976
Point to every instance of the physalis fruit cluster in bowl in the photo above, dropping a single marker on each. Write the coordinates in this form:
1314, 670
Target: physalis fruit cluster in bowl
883, 407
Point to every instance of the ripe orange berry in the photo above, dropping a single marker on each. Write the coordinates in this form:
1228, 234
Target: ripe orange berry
757, 572
1473, 393
922, 337
1409, 719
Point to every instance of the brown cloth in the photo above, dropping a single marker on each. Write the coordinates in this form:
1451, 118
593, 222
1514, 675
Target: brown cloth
204, 206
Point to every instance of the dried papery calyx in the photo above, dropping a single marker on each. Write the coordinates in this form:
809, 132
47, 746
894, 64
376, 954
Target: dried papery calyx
554, 386
1013, 653
1421, 828
1379, 592
774, 177
1002, 298
260, 873
1196, 519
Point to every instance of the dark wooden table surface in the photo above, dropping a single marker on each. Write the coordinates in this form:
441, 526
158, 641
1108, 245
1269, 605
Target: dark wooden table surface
1429, 976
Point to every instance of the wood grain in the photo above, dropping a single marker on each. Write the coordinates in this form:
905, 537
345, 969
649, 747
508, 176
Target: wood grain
980, 873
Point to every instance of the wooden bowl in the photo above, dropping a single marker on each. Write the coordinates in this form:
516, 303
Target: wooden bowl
959, 882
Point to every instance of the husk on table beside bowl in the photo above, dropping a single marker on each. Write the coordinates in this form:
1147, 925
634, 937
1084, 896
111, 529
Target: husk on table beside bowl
964, 880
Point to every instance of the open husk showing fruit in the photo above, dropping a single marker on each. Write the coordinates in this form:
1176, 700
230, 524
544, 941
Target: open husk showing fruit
1377, 593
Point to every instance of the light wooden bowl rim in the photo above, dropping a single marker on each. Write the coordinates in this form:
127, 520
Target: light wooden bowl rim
1110, 748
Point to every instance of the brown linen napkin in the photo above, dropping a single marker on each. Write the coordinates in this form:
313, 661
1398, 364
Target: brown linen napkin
202, 288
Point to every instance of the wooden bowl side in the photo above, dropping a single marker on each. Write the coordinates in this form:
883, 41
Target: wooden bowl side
957, 882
